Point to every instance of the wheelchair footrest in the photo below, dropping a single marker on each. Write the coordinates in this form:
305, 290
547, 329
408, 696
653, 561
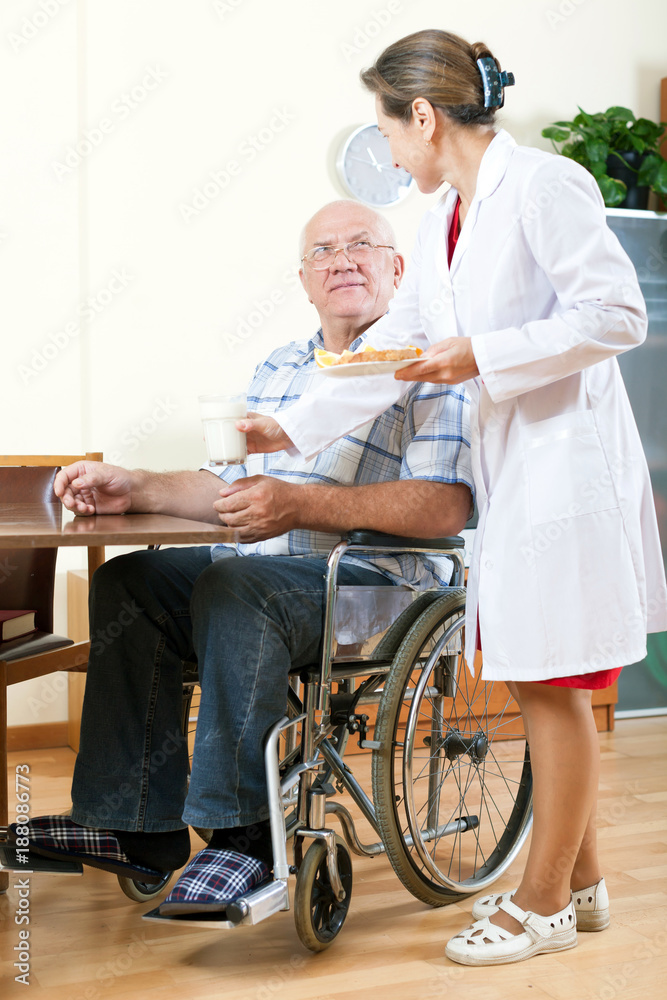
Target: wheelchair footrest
211, 922
22, 862
250, 909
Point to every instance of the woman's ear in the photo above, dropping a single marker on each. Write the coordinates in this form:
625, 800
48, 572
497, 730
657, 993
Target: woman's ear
423, 117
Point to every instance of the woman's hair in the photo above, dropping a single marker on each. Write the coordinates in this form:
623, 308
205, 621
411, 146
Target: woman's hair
436, 65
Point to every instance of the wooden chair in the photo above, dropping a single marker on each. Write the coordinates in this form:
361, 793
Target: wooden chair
27, 580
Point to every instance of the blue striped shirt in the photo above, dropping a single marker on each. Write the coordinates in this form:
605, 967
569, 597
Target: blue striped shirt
423, 436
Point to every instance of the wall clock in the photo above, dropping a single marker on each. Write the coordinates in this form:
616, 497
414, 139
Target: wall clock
364, 168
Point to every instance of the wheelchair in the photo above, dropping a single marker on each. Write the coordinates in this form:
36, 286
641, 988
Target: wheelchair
451, 784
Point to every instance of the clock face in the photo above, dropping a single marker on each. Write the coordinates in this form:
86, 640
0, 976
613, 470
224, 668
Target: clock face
365, 168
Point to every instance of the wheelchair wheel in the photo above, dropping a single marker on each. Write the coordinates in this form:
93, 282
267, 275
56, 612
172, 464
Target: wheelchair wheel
452, 782
142, 891
318, 915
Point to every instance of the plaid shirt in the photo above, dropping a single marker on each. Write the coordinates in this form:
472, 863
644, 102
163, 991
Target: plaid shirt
423, 436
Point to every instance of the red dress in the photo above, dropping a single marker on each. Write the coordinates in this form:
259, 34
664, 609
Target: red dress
600, 678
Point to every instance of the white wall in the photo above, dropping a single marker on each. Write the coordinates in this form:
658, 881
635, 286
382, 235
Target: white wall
40, 264
169, 91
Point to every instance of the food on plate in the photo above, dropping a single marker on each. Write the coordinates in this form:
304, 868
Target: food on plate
368, 354
327, 358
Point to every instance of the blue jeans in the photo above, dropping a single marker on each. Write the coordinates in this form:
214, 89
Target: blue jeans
247, 619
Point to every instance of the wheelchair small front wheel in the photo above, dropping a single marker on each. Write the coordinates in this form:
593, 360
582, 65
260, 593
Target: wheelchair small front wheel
140, 892
318, 915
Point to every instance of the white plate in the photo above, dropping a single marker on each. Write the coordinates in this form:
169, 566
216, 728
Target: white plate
366, 368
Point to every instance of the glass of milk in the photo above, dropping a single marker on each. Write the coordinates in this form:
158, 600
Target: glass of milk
224, 444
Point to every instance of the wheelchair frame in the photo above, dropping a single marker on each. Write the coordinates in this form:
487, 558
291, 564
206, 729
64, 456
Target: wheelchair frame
298, 779
306, 766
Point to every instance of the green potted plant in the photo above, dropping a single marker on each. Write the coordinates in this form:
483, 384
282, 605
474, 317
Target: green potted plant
621, 151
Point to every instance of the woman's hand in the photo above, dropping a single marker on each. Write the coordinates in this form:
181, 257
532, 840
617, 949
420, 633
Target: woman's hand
263, 434
448, 362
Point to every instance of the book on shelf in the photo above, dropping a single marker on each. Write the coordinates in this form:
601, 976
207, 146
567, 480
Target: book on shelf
14, 624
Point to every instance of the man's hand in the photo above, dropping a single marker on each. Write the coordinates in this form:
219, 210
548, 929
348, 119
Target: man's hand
94, 488
259, 507
446, 363
263, 434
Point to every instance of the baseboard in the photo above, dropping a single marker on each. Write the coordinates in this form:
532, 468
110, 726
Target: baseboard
41, 736
641, 713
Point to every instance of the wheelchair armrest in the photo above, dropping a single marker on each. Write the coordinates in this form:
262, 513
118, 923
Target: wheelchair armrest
378, 538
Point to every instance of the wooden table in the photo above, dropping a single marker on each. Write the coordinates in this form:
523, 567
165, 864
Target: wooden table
43, 526
35, 526
27, 525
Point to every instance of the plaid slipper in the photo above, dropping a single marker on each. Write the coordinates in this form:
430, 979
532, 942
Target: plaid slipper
213, 880
58, 837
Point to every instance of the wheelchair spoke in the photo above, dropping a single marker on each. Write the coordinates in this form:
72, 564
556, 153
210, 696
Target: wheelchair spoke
502, 775
457, 772
462, 797
321, 914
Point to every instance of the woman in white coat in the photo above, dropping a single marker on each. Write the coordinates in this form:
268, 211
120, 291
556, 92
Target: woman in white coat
528, 306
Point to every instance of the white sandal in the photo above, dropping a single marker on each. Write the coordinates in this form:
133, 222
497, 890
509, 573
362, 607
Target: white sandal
591, 906
486, 943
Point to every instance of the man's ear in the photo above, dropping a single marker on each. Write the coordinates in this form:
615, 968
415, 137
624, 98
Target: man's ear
399, 269
304, 284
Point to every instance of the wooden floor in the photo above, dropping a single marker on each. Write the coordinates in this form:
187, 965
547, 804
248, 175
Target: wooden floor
87, 941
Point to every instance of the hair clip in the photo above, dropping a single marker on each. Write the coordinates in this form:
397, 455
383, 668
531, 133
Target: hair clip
494, 82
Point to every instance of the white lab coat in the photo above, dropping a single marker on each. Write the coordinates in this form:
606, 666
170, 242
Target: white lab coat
566, 571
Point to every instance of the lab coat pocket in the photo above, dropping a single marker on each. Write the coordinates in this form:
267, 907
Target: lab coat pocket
568, 473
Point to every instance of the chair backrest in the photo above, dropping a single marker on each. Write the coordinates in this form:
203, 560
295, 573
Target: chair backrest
27, 576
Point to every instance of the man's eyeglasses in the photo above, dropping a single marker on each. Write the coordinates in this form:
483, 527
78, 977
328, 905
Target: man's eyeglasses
359, 252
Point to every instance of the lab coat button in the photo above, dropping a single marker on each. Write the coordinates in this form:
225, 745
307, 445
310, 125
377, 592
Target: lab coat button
488, 564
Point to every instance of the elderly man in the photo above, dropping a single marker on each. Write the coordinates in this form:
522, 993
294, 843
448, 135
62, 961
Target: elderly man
250, 612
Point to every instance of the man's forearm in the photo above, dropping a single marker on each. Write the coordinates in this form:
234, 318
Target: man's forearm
411, 507
181, 494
